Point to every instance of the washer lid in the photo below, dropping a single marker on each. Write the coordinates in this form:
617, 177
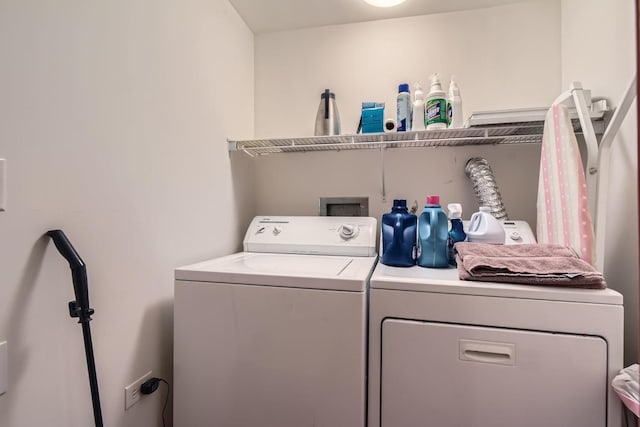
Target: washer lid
446, 281
339, 273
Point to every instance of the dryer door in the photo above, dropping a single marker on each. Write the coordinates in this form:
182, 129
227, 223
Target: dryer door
445, 375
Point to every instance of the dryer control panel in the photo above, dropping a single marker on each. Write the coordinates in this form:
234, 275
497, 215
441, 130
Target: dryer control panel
321, 235
515, 232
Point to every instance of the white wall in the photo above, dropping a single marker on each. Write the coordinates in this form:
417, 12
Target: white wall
113, 120
503, 57
598, 49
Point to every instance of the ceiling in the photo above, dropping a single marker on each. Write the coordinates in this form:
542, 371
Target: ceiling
279, 15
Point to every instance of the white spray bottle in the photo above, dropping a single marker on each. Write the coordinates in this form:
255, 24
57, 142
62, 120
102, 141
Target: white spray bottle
454, 105
418, 108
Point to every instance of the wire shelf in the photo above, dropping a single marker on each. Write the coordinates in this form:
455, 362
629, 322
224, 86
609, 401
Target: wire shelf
512, 133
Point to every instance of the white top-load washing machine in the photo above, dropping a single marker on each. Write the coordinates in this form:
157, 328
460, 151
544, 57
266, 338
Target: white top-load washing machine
448, 353
275, 336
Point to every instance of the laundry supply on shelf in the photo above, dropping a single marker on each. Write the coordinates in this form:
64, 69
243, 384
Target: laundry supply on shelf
417, 121
454, 106
404, 108
529, 264
372, 118
435, 106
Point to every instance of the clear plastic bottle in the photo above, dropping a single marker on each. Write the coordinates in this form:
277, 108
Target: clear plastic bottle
399, 236
433, 233
435, 106
418, 108
456, 233
404, 108
454, 106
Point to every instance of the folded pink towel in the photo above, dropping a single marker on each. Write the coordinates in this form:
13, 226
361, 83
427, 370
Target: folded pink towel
531, 264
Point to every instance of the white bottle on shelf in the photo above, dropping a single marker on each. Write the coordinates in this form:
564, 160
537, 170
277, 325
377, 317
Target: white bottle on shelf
418, 108
435, 106
454, 105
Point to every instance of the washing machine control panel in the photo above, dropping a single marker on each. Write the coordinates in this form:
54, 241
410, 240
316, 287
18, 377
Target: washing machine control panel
323, 235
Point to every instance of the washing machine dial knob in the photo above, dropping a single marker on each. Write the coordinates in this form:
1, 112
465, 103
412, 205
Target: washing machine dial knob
277, 230
515, 236
349, 231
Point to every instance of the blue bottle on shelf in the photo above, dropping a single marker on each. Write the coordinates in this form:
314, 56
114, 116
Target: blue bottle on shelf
398, 236
456, 233
433, 234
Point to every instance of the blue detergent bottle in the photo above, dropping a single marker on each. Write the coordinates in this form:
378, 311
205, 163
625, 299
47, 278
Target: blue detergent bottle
433, 234
398, 236
456, 233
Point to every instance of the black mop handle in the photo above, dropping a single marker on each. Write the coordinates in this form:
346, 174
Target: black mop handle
80, 308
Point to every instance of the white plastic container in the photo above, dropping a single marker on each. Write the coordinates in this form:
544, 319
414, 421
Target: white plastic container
435, 106
454, 106
418, 108
404, 108
485, 228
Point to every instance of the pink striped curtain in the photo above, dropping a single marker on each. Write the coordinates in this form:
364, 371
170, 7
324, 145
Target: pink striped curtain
563, 208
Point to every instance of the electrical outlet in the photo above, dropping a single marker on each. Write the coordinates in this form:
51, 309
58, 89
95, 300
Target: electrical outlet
132, 391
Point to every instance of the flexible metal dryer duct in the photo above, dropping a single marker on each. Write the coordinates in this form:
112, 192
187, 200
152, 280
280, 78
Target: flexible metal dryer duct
485, 187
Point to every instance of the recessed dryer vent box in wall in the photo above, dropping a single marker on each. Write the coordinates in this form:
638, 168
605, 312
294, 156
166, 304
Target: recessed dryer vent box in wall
344, 206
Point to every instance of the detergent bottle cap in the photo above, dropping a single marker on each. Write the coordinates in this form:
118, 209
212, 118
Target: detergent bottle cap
455, 210
484, 209
400, 203
433, 200
403, 87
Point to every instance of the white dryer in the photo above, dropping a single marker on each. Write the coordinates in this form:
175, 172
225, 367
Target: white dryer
275, 336
449, 353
